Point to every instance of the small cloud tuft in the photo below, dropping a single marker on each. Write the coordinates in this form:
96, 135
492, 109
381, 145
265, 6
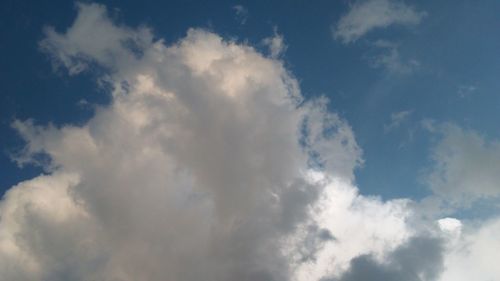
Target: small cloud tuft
365, 16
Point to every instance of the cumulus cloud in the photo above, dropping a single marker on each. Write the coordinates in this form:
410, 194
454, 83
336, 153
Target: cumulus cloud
360, 225
208, 164
365, 16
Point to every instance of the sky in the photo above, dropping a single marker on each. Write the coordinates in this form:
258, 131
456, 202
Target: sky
258, 140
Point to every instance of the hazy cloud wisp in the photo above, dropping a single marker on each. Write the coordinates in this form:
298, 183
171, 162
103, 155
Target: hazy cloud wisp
365, 16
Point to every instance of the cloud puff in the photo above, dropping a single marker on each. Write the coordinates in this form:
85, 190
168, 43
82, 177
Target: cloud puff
365, 16
276, 44
475, 254
465, 166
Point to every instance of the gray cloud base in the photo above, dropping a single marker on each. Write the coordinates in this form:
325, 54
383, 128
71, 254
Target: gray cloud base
420, 258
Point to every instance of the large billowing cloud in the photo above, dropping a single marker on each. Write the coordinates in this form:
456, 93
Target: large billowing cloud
207, 165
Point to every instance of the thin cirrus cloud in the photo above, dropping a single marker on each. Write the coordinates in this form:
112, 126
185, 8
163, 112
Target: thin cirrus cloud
397, 118
365, 16
208, 164
241, 13
388, 57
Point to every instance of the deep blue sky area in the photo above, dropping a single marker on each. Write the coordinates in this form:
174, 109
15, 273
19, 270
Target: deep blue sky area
446, 68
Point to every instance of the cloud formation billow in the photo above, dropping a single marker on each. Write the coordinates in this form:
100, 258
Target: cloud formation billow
208, 164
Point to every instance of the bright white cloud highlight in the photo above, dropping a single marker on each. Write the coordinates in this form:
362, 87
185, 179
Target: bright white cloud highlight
475, 255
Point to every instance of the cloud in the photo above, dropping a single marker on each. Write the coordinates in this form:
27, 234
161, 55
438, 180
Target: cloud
419, 259
465, 166
208, 164
388, 57
365, 16
241, 13
475, 254
450, 225
396, 119
276, 44
466, 90
90, 39
360, 225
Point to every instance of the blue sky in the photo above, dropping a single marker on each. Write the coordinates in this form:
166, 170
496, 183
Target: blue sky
412, 89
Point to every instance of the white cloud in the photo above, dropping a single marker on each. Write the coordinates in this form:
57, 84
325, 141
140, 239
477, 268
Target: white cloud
365, 16
199, 169
451, 228
450, 225
276, 44
475, 255
360, 226
465, 166
207, 165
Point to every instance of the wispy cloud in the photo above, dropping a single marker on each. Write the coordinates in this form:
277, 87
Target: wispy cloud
365, 16
275, 44
397, 118
466, 90
241, 13
388, 57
